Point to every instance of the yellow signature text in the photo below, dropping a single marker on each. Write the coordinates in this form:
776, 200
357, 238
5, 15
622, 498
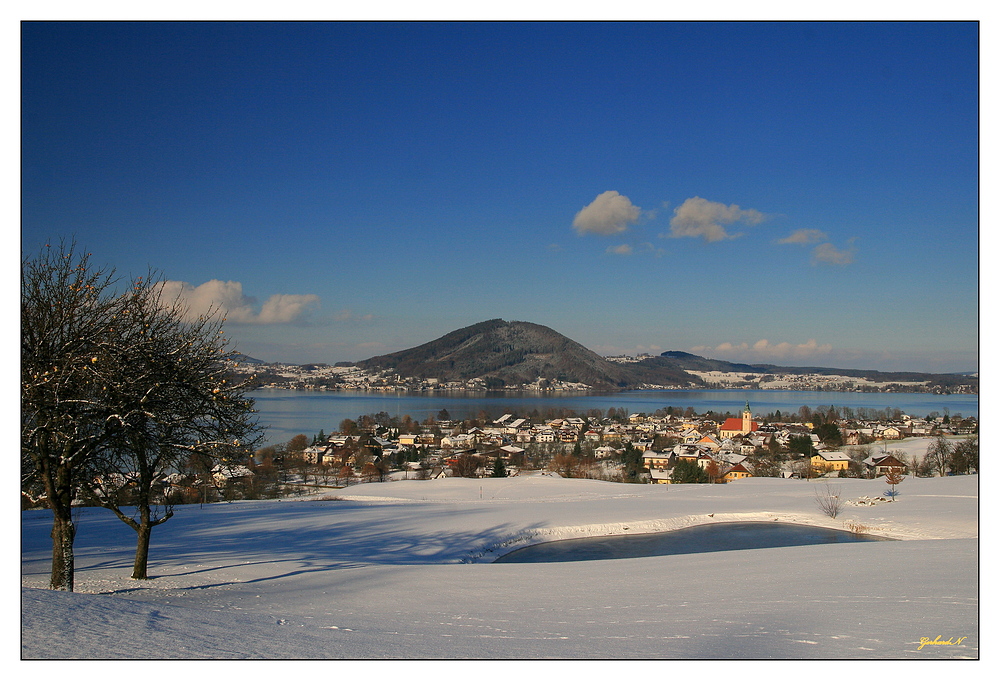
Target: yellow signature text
925, 641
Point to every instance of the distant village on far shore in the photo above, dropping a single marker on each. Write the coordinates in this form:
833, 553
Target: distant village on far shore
280, 376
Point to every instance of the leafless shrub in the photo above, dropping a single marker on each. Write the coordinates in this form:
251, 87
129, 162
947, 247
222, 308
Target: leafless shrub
828, 500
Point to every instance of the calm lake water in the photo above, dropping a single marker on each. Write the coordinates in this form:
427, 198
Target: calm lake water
287, 413
700, 539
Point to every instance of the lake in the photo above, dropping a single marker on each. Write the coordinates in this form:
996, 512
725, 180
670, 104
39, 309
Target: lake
698, 539
286, 413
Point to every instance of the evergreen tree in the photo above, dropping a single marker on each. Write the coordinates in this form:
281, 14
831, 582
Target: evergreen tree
830, 434
631, 459
499, 469
801, 444
688, 472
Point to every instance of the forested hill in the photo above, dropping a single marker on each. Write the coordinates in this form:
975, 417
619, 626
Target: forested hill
515, 353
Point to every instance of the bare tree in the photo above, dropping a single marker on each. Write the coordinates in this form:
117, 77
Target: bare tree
965, 456
68, 313
938, 455
345, 475
566, 465
116, 391
297, 444
369, 472
466, 465
166, 378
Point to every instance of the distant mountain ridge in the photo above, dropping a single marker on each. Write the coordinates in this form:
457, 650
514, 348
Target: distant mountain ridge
689, 362
516, 353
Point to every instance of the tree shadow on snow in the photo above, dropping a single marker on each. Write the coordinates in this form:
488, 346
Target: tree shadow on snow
306, 536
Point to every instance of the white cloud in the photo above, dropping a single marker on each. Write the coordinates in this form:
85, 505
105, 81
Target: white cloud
284, 308
698, 217
765, 351
227, 298
624, 249
828, 253
610, 213
803, 236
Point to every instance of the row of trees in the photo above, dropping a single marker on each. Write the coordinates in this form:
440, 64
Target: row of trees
943, 456
118, 388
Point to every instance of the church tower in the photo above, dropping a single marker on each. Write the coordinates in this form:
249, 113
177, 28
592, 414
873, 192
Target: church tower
735, 425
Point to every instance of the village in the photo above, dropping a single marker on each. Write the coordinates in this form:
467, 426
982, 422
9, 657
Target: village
667, 447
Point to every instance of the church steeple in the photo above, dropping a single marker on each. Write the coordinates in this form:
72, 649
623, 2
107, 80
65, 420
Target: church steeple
747, 418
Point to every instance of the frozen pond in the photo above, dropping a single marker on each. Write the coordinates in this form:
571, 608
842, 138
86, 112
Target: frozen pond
699, 539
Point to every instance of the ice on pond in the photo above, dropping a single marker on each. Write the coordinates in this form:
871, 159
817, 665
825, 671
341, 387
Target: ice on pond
700, 539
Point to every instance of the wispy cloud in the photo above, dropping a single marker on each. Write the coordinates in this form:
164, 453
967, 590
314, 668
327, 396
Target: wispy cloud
610, 213
624, 249
647, 247
640, 249
825, 253
831, 255
698, 217
350, 316
227, 298
616, 350
763, 350
804, 236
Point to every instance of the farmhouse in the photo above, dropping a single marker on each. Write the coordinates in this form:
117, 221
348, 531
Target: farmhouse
830, 461
737, 472
880, 465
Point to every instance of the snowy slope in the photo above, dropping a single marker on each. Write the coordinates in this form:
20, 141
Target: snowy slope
401, 570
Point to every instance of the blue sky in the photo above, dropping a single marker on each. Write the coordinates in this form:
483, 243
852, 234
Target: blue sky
792, 193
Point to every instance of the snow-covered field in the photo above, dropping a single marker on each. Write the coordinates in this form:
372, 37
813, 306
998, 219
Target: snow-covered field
401, 570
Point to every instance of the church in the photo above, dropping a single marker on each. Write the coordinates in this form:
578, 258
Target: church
744, 426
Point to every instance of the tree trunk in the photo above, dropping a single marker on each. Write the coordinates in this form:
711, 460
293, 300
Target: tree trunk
59, 489
142, 546
63, 532
144, 527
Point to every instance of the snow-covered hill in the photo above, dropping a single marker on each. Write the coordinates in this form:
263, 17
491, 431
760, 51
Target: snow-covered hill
401, 570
